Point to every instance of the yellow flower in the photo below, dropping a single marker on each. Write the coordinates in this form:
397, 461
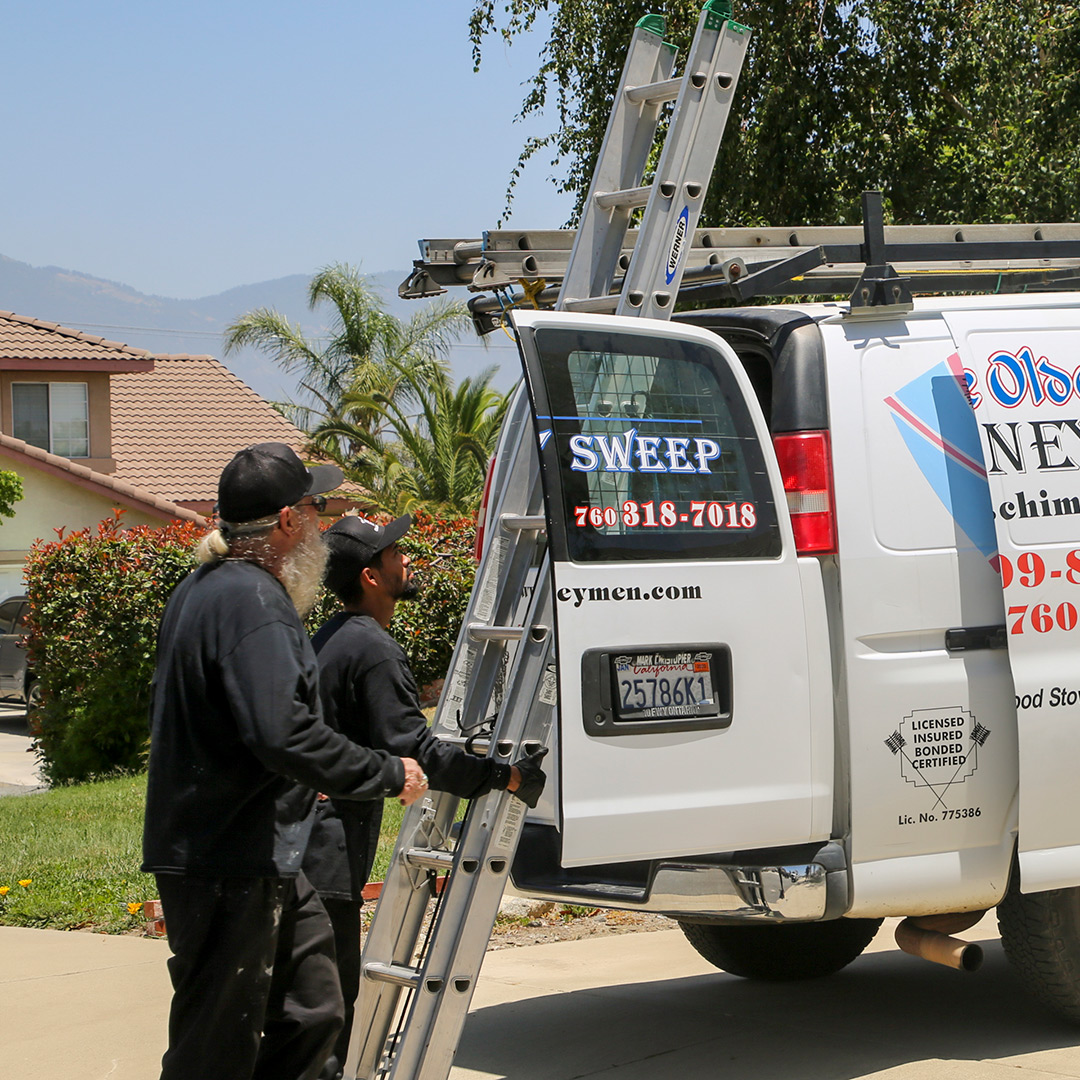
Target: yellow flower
25, 883
134, 907
4, 890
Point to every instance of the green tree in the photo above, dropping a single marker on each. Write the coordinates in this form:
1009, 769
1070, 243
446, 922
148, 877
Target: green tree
959, 110
369, 352
433, 453
11, 491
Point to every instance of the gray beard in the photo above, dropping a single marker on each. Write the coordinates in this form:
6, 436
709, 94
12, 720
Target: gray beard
302, 571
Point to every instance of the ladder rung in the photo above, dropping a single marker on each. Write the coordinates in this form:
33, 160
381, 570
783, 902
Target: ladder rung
428, 859
480, 632
626, 199
397, 974
481, 744
655, 93
593, 304
523, 522
468, 249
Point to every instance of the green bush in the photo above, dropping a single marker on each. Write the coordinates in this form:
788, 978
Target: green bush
96, 597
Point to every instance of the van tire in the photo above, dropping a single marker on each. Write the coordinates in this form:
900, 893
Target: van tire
1041, 936
782, 952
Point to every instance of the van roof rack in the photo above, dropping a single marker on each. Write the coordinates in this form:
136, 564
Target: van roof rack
878, 266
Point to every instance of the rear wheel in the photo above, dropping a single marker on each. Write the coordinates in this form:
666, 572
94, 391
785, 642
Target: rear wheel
783, 951
1041, 936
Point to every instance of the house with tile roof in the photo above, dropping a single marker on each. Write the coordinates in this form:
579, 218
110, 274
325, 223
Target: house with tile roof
91, 425
174, 427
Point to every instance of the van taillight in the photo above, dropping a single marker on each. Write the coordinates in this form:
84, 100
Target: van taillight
806, 466
481, 514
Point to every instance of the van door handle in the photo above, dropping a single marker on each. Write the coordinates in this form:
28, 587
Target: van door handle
961, 639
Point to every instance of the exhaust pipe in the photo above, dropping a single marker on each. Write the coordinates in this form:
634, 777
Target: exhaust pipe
940, 948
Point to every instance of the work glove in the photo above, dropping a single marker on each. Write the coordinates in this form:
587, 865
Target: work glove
532, 777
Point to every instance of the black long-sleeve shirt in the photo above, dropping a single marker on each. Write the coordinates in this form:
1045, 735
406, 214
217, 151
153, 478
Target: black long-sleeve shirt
369, 694
237, 737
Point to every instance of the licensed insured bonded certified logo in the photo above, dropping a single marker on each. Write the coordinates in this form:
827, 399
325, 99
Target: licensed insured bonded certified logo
677, 241
938, 749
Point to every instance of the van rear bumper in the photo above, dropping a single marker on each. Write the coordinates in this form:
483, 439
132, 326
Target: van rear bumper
804, 884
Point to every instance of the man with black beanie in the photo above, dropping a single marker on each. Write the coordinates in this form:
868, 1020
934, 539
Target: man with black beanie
369, 694
237, 745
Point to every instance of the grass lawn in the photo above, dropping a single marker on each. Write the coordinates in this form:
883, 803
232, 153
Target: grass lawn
79, 849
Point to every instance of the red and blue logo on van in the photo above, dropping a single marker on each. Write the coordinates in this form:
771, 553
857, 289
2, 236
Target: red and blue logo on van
934, 416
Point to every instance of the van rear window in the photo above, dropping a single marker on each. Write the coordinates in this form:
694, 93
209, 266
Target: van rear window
649, 451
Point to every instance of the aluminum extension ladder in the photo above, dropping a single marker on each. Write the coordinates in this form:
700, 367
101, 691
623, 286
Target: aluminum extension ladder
703, 96
415, 994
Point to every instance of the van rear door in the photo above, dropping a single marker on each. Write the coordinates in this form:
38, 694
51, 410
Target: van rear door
1021, 370
692, 648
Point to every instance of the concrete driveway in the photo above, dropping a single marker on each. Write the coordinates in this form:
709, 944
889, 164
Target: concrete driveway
636, 1007
18, 764
646, 1006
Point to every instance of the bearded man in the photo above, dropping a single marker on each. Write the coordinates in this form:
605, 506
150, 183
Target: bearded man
237, 744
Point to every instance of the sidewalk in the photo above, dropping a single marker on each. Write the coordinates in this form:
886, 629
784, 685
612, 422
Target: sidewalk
634, 1007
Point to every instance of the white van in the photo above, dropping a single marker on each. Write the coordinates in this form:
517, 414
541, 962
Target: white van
817, 580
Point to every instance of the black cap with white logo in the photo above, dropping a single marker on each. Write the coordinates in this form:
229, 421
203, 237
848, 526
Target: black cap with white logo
355, 541
262, 479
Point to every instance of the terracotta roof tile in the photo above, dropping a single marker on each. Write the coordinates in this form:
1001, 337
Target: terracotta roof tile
175, 428
23, 338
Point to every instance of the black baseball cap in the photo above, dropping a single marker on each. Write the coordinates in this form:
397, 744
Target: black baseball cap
262, 479
354, 542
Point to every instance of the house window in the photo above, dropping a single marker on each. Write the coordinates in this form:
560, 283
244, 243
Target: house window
53, 416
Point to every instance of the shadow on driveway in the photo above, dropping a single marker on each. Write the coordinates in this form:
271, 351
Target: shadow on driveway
887, 1011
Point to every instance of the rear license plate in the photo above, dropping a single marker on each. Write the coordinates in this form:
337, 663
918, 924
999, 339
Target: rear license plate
670, 685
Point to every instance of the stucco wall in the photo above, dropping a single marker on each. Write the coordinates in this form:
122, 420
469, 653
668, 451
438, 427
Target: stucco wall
48, 503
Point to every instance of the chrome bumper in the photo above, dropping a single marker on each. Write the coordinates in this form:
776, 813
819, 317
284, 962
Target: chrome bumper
796, 893
789, 893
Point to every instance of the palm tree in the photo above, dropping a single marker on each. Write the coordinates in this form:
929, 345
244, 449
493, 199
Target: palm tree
437, 457
370, 353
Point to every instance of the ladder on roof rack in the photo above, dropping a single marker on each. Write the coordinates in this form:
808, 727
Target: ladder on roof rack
416, 994
585, 261
673, 202
742, 263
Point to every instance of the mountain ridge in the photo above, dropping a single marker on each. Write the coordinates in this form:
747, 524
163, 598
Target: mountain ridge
119, 312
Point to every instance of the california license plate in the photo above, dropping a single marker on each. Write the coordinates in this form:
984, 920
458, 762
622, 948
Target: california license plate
664, 685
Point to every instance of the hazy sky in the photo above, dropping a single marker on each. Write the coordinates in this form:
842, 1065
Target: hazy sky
184, 148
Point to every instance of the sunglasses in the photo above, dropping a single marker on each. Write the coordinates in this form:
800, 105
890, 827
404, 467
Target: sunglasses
318, 501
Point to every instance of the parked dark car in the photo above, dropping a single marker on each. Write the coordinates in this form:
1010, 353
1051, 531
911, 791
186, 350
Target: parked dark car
16, 672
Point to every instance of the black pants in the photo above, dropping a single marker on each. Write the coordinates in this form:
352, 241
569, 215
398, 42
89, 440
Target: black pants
345, 919
255, 984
